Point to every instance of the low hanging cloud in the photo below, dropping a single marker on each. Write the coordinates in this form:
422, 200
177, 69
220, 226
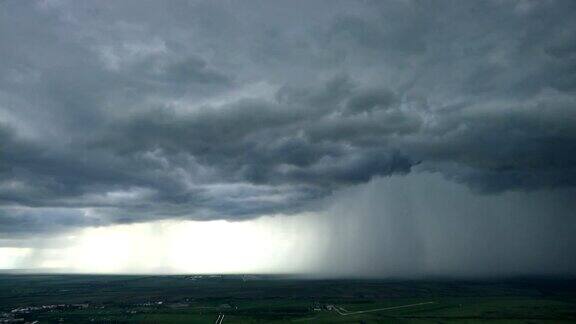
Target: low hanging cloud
136, 111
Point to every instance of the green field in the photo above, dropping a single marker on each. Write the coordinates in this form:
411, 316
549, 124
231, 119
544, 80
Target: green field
281, 299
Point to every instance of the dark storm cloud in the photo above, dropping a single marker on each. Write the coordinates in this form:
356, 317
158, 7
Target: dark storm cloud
134, 111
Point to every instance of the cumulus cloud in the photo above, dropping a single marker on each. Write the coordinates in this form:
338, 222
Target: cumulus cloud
134, 111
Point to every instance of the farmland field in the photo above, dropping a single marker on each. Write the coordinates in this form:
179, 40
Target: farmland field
55, 298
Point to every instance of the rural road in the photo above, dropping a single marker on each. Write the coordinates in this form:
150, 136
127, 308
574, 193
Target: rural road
344, 312
219, 319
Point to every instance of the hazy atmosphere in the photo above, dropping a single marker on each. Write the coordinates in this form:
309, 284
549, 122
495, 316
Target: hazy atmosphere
324, 138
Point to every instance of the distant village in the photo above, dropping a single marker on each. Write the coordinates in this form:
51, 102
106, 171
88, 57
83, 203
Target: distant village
21, 315
29, 314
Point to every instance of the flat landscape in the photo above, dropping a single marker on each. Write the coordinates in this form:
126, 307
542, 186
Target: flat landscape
52, 298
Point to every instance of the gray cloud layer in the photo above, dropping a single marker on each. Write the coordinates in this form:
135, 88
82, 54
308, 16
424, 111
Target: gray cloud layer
127, 111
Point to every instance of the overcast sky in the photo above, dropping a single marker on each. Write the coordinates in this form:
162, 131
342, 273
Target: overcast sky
129, 112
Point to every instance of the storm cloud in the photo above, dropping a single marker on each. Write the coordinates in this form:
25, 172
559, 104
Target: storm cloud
132, 111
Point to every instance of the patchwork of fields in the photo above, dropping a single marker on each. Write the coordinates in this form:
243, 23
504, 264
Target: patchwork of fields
279, 299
